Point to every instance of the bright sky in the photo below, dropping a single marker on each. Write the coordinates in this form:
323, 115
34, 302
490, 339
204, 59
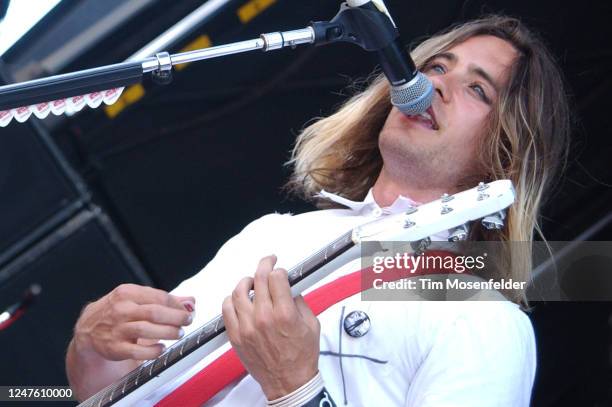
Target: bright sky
21, 16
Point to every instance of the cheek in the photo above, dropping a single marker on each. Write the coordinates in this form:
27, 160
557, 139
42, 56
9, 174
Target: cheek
472, 119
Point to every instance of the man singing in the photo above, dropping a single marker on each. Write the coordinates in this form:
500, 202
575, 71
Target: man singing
499, 112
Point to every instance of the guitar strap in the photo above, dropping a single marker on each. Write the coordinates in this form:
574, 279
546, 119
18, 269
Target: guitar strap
225, 369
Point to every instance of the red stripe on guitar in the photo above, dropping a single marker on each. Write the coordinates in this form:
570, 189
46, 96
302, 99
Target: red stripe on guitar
222, 371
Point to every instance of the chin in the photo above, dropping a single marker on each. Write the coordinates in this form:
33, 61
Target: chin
401, 145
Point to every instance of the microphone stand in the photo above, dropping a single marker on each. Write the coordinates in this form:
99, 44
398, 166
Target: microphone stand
363, 26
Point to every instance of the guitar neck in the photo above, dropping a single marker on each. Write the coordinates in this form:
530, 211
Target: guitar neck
209, 331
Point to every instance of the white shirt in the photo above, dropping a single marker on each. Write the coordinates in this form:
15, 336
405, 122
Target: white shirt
417, 353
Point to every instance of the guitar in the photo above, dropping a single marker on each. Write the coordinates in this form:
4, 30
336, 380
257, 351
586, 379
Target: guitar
451, 212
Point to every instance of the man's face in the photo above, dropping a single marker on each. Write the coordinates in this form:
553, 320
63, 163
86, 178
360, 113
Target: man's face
467, 80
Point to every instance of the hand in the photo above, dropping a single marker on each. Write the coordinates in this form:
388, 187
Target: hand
275, 336
128, 323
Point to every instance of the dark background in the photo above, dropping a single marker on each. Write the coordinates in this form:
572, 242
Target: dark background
160, 186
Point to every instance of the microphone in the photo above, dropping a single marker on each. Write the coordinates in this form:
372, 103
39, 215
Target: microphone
411, 91
367, 23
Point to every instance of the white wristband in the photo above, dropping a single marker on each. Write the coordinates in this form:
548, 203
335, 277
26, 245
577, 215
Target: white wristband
301, 395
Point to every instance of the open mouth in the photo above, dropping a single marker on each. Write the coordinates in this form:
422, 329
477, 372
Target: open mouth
427, 118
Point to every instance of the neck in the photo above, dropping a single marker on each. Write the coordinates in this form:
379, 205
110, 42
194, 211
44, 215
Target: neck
387, 188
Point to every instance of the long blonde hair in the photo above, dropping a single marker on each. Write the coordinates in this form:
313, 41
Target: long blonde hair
528, 133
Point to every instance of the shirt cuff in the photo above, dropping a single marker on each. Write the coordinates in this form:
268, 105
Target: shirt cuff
300, 396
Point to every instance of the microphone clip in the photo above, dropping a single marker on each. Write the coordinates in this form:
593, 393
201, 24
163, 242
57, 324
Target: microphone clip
364, 26
163, 74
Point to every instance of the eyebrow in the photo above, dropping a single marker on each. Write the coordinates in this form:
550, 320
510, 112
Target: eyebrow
449, 56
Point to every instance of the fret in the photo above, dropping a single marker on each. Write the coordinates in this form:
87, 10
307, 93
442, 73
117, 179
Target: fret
218, 324
99, 398
138, 375
105, 397
186, 345
181, 351
173, 357
190, 343
123, 389
166, 358
317, 259
311, 263
157, 366
208, 329
151, 369
293, 276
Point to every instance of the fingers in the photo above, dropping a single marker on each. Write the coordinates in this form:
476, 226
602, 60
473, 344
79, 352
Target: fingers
148, 295
279, 347
242, 303
188, 303
127, 350
280, 292
147, 342
128, 322
159, 314
230, 319
147, 330
131, 302
262, 302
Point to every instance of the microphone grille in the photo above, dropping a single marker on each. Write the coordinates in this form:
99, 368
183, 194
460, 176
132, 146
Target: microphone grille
414, 97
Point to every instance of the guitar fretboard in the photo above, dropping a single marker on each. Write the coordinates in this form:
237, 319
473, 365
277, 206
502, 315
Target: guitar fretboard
207, 332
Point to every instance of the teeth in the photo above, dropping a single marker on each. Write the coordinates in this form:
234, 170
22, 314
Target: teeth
427, 116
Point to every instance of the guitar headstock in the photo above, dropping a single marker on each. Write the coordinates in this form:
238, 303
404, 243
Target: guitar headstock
487, 201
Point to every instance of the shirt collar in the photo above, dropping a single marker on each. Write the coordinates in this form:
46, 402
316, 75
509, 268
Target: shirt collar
369, 207
401, 203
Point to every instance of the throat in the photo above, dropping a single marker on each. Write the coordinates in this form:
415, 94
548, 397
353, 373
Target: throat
387, 189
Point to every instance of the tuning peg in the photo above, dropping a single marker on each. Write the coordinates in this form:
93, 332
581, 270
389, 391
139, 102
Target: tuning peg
459, 233
446, 198
482, 196
445, 208
482, 186
494, 221
420, 246
409, 223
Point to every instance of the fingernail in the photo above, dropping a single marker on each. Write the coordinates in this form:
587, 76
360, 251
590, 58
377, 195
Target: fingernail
181, 333
163, 347
189, 319
189, 306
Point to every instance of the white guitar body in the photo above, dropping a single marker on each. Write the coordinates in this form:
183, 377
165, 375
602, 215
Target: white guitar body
447, 213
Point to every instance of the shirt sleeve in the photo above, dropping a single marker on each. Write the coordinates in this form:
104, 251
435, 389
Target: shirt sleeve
485, 357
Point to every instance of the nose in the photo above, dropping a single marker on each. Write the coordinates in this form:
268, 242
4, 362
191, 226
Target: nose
441, 86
